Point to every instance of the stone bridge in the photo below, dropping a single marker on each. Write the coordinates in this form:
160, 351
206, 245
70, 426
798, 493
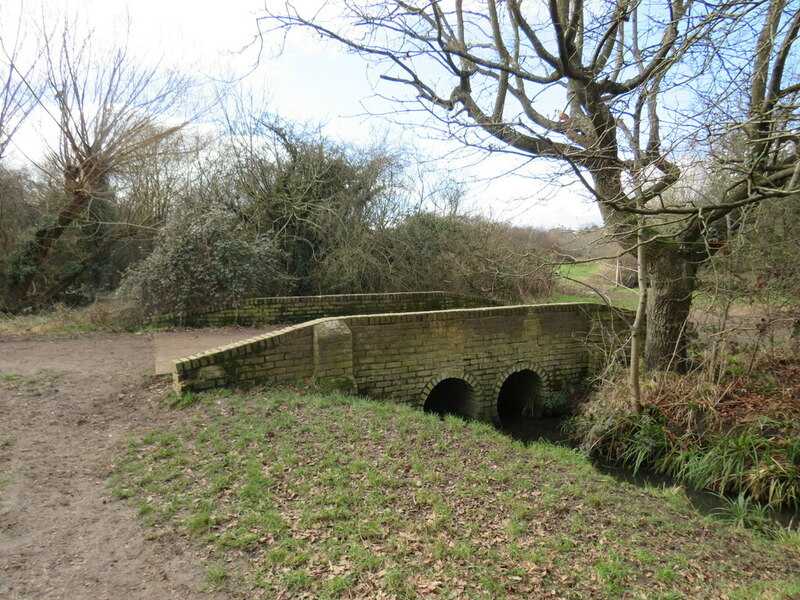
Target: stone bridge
484, 363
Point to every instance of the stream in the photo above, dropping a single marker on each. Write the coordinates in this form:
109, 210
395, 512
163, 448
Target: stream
549, 430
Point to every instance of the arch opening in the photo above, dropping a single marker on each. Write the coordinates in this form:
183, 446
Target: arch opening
520, 396
450, 396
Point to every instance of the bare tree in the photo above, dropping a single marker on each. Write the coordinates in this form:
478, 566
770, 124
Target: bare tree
618, 91
17, 95
111, 113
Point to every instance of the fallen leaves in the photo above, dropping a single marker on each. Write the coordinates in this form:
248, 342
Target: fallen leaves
364, 514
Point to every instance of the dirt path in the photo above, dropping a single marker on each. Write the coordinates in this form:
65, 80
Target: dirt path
65, 406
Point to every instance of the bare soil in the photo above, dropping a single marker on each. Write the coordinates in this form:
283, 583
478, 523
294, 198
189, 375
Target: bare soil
66, 407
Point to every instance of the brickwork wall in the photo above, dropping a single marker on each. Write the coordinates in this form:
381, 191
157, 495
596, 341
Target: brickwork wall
299, 309
402, 356
280, 357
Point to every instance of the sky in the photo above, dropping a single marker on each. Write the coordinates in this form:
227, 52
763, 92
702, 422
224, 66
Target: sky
312, 81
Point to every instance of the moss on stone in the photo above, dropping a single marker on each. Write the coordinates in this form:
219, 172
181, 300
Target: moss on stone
344, 385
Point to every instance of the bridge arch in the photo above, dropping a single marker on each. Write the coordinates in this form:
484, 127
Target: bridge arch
451, 392
519, 391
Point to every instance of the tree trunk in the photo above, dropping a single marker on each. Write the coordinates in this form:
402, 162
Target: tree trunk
35, 250
672, 280
68, 279
671, 275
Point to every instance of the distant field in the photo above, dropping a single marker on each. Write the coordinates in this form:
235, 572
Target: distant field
598, 276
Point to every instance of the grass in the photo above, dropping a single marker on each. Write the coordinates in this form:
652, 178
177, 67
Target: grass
742, 512
747, 461
326, 496
595, 275
63, 320
731, 437
580, 271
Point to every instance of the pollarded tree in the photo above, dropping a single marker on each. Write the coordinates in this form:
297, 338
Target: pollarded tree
619, 91
110, 113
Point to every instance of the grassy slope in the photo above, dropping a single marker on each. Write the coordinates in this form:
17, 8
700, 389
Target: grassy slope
314, 496
597, 275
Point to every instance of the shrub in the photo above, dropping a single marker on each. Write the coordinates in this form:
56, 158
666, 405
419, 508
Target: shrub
427, 251
202, 260
692, 441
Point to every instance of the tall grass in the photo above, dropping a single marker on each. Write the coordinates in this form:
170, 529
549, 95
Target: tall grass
63, 320
760, 459
744, 461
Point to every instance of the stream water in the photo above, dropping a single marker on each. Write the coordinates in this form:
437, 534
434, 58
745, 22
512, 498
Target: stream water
549, 430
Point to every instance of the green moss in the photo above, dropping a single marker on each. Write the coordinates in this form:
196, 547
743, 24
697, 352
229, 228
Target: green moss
342, 385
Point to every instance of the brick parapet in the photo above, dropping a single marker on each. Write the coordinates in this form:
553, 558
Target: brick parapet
399, 355
299, 309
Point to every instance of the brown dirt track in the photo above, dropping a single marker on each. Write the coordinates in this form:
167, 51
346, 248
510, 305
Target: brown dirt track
66, 406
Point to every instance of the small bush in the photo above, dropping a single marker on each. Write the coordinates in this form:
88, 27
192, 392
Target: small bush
201, 260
